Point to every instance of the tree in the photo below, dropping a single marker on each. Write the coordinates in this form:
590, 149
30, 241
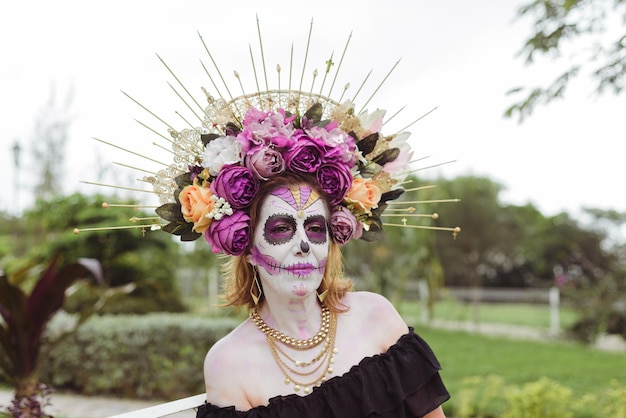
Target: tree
126, 255
51, 133
575, 31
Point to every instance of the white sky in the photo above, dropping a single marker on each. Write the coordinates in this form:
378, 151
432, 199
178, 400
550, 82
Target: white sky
459, 55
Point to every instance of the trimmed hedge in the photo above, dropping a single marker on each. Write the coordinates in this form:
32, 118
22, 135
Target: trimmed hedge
147, 356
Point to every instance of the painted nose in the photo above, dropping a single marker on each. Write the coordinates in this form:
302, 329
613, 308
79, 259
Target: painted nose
304, 247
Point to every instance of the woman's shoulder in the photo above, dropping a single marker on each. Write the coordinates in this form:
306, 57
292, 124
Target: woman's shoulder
239, 339
225, 359
376, 314
370, 305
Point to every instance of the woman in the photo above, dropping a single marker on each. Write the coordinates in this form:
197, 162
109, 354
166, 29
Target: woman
279, 180
365, 360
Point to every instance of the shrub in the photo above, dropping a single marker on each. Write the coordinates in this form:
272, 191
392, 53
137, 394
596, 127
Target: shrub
480, 397
490, 397
147, 356
543, 398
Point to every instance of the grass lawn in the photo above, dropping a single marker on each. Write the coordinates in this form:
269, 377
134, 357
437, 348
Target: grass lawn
582, 369
500, 313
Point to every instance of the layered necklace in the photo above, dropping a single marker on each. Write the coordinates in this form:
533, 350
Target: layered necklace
304, 375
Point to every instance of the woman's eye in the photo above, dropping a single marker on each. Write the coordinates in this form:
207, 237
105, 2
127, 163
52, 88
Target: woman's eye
316, 228
282, 228
279, 229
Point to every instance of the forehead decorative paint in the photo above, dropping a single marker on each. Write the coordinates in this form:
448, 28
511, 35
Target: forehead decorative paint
298, 197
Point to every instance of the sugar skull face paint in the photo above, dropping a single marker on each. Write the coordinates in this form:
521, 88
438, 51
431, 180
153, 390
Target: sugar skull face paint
290, 242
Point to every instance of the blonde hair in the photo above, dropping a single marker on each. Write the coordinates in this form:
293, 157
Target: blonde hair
239, 274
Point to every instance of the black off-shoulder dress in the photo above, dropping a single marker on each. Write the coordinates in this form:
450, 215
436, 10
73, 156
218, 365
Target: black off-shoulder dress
404, 382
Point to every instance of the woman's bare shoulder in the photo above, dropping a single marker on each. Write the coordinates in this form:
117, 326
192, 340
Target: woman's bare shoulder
377, 314
223, 364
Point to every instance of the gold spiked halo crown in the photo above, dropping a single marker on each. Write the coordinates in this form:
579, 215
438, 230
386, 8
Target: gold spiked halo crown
217, 167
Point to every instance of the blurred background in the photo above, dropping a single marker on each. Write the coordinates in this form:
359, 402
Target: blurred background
526, 132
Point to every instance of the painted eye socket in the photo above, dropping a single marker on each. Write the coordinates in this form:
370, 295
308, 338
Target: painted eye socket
315, 228
279, 229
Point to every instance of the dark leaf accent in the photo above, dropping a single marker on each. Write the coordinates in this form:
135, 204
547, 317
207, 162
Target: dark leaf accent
367, 144
190, 236
375, 232
369, 170
387, 156
178, 228
183, 180
206, 138
170, 212
390, 195
232, 129
314, 113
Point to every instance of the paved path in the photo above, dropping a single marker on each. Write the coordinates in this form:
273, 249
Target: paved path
72, 406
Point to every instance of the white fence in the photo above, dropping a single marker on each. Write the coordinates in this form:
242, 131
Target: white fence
550, 297
180, 408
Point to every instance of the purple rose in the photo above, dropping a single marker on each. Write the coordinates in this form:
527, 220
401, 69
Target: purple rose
344, 226
265, 163
236, 184
305, 155
230, 235
334, 180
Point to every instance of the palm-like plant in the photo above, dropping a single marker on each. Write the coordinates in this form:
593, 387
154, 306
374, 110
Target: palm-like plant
25, 315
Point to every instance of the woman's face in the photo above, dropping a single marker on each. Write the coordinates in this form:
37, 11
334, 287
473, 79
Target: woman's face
290, 242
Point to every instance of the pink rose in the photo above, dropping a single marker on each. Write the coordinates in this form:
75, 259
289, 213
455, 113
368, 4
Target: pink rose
344, 226
334, 180
230, 235
265, 163
236, 184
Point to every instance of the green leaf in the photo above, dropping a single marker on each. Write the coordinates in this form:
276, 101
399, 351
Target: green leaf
367, 144
170, 212
183, 180
314, 113
390, 195
387, 156
206, 138
375, 232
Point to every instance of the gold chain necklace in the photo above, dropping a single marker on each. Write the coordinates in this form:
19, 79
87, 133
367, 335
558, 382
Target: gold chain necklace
299, 363
327, 360
294, 342
323, 360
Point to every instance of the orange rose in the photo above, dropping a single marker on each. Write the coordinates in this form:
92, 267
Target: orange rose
196, 203
364, 194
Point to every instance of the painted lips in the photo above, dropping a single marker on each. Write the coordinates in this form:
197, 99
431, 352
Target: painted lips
301, 269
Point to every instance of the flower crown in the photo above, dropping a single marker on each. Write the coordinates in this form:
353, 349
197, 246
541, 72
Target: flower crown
242, 142
354, 165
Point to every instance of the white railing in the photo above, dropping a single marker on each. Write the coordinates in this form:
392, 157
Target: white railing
167, 409
550, 297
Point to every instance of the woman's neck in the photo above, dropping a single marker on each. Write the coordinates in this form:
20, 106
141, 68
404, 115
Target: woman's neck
298, 318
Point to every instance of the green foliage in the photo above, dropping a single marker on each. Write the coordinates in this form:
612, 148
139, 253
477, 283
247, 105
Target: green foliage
491, 396
403, 254
581, 26
125, 255
477, 365
542, 398
148, 356
480, 397
26, 314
